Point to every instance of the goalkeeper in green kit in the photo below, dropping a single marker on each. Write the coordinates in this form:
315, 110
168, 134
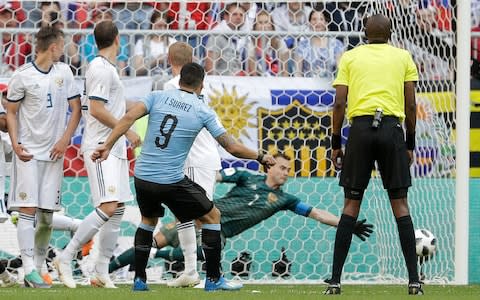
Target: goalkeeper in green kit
254, 198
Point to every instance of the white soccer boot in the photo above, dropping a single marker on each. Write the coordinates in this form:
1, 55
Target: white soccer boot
185, 280
64, 270
102, 281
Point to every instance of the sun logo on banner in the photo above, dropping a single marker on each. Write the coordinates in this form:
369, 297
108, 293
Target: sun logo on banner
233, 110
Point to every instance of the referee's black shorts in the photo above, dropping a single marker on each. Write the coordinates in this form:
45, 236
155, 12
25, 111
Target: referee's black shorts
186, 199
365, 145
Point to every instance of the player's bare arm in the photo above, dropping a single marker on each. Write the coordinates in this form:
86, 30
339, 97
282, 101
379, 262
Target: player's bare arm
60, 147
239, 150
123, 125
99, 112
129, 104
411, 116
324, 217
3, 123
338, 117
22, 153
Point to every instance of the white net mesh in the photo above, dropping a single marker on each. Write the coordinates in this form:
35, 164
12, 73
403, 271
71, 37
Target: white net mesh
276, 62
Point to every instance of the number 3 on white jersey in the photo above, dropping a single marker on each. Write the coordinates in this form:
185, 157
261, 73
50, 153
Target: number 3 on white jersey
49, 100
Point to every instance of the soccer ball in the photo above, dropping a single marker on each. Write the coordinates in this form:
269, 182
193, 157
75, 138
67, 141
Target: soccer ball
426, 244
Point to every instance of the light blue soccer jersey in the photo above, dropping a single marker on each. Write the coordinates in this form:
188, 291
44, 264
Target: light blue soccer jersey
175, 119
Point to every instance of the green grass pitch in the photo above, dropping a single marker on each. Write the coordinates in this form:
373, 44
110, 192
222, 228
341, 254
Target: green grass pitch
259, 292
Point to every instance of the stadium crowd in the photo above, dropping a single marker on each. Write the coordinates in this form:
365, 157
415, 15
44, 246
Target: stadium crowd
233, 38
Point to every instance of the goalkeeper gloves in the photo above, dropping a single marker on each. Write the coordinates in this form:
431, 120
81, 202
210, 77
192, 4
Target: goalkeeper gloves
362, 229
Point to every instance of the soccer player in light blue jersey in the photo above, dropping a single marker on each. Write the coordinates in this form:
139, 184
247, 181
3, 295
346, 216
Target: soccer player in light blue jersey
175, 119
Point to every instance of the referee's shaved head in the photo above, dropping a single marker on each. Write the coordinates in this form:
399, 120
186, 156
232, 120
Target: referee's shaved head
378, 29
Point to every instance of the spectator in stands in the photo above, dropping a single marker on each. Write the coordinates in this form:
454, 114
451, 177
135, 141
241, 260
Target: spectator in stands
428, 34
318, 55
14, 48
89, 48
267, 55
347, 17
418, 33
251, 9
225, 49
189, 16
150, 56
17, 8
132, 14
292, 16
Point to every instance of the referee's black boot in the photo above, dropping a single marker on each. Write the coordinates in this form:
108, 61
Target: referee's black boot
333, 288
415, 288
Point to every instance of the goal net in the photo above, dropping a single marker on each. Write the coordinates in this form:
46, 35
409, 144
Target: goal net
270, 67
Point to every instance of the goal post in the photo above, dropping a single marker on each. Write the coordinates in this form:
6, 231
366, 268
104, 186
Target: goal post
463, 142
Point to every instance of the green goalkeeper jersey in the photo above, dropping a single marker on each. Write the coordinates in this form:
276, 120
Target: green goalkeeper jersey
250, 201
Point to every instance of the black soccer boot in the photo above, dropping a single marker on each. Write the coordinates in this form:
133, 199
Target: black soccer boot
415, 288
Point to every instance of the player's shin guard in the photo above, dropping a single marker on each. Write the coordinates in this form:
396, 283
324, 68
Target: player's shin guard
188, 243
407, 241
143, 244
85, 232
343, 239
26, 237
212, 247
108, 240
43, 232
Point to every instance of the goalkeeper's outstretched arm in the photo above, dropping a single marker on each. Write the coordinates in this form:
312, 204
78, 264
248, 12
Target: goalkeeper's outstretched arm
361, 229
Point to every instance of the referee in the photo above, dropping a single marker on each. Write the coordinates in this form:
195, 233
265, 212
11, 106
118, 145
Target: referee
379, 82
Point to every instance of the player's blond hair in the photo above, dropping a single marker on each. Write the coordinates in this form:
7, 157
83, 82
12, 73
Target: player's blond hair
180, 54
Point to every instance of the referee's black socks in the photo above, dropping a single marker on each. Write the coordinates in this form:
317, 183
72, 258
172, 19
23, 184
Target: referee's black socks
212, 247
407, 241
143, 244
343, 239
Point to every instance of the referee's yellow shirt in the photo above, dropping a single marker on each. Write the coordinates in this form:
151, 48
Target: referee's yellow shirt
375, 75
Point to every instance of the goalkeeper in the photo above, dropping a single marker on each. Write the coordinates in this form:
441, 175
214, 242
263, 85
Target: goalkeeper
254, 198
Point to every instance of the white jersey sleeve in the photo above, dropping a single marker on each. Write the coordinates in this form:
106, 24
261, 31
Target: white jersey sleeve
16, 88
98, 84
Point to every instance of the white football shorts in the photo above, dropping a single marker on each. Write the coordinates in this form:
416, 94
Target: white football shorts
36, 183
109, 180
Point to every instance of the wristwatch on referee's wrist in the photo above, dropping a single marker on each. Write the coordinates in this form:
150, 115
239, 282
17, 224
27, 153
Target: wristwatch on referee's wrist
260, 156
336, 141
410, 141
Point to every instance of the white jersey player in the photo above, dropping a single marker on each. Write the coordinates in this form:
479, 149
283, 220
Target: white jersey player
3, 127
39, 94
103, 105
201, 166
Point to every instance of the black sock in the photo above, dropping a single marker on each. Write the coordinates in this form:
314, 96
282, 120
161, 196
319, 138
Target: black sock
212, 247
143, 244
343, 239
407, 240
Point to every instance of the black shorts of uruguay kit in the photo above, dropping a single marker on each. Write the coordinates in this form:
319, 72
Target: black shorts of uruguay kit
365, 145
186, 199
